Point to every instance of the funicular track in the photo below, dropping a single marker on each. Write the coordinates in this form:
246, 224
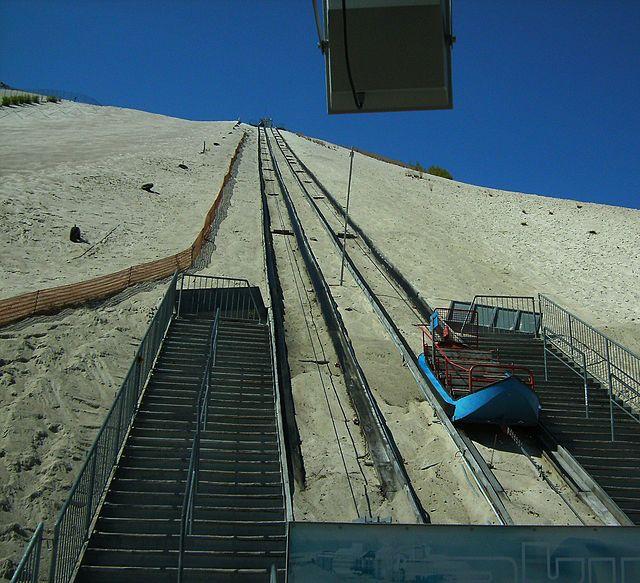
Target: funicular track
399, 307
381, 447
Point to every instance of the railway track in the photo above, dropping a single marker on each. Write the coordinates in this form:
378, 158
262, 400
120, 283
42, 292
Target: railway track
298, 260
399, 307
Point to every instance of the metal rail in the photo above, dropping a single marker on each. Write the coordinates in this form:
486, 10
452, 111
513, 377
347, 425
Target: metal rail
28, 569
614, 366
282, 376
74, 524
191, 486
486, 481
465, 370
384, 452
207, 293
505, 313
559, 343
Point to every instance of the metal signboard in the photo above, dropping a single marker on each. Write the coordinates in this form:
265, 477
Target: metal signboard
328, 552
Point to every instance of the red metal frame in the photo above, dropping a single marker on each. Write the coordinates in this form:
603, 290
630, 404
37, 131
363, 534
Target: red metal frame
477, 373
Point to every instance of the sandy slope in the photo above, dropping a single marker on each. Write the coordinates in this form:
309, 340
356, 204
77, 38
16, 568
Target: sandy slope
58, 377
454, 240
67, 163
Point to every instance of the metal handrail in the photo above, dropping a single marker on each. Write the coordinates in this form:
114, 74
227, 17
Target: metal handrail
200, 283
617, 368
517, 304
191, 485
471, 366
551, 338
499, 367
28, 568
73, 526
612, 402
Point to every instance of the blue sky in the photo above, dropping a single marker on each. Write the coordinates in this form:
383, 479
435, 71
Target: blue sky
546, 94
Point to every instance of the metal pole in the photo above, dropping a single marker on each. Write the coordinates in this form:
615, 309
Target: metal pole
38, 550
346, 218
92, 481
586, 389
544, 353
180, 295
54, 552
571, 335
610, 387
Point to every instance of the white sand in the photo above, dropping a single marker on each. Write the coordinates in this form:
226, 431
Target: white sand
66, 163
454, 240
58, 379
442, 482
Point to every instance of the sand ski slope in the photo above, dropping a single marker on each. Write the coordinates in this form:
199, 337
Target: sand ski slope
454, 240
69, 163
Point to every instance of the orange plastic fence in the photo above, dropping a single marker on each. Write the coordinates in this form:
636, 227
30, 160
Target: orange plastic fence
55, 298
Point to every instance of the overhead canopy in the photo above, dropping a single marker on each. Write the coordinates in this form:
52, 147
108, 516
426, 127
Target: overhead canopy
397, 55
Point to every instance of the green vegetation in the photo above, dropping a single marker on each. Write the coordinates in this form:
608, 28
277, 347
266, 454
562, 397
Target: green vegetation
52, 99
438, 171
419, 168
25, 99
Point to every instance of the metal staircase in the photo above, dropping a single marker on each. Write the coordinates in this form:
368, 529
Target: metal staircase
239, 515
582, 426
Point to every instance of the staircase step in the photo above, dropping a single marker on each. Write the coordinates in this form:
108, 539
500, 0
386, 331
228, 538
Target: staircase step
239, 527
165, 542
229, 513
204, 498
157, 525
201, 559
107, 574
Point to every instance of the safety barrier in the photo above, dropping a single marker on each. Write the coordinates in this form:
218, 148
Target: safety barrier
29, 567
596, 355
73, 526
233, 297
465, 370
191, 487
503, 314
56, 298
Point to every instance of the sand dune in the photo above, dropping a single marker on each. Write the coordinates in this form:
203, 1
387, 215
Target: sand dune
454, 240
67, 163
70, 163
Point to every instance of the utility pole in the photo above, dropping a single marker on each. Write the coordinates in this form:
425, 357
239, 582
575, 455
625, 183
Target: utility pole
346, 218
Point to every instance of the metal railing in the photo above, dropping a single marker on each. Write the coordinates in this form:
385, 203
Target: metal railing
191, 485
456, 324
28, 569
73, 526
562, 346
615, 367
464, 370
206, 293
507, 313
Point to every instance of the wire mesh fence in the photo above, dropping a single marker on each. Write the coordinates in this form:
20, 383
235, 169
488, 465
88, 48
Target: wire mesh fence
610, 363
507, 313
73, 525
53, 299
233, 297
29, 567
